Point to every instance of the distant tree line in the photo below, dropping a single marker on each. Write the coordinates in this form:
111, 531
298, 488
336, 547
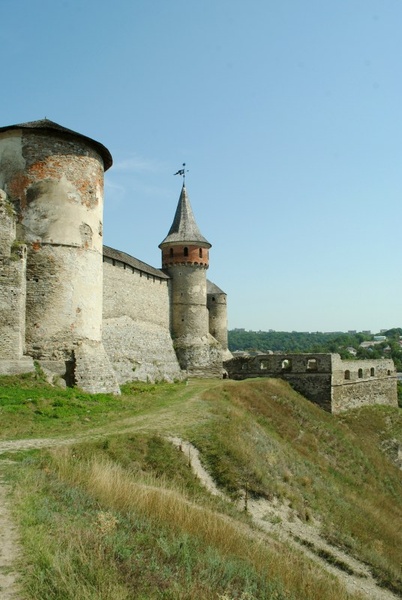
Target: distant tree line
339, 342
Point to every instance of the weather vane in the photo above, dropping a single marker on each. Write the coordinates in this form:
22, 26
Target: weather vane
182, 172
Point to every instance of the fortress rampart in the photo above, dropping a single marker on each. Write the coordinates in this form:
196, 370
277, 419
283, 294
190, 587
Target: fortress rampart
325, 379
98, 317
136, 319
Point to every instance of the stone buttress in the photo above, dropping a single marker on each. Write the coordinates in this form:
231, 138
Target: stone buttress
53, 178
185, 258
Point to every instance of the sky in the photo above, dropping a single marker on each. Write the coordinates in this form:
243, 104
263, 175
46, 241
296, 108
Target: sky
288, 115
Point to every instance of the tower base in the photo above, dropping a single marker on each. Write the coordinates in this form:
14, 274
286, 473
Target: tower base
199, 357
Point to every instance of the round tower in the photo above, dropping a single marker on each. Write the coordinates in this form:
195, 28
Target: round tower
218, 320
54, 178
185, 258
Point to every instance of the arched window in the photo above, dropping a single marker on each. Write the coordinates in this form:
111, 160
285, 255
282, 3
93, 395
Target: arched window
347, 374
200, 252
185, 251
360, 373
286, 365
372, 372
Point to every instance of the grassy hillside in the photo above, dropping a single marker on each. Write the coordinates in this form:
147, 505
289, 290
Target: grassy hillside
118, 513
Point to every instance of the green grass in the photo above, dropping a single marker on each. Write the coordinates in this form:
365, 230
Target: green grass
93, 529
30, 407
119, 513
267, 436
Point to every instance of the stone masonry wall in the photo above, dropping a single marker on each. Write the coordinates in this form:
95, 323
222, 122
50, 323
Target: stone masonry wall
133, 293
13, 257
55, 182
310, 375
140, 350
218, 322
358, 383
325, 379
136, 332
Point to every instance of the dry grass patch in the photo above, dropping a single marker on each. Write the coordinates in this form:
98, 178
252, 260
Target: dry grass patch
115, 488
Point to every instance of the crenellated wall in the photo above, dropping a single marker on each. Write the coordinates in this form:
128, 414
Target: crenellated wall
325, 379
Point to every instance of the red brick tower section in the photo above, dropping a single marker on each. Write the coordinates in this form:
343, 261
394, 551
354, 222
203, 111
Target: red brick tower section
185, 258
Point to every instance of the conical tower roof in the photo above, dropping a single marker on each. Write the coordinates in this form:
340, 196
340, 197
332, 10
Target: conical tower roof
47, 125
184, 229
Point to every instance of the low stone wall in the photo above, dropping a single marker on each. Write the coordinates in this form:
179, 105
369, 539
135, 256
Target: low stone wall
335, 385
358, 383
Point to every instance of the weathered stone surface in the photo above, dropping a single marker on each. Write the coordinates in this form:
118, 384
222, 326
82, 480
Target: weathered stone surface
135, 294
59, 289
218, 322
199, 357
55, 182
14, 367
13, 258
93, 371
140, 350
325, 379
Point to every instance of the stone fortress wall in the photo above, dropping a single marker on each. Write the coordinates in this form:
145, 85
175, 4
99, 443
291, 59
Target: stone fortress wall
92, 315
98, 317
136, 319
325, 379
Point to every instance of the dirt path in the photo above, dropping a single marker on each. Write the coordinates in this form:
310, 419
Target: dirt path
9, 547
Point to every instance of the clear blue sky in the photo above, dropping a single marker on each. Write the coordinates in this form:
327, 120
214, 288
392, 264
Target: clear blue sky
287, 113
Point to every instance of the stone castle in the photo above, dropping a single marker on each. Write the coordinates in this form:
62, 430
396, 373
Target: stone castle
89, 314
97, 317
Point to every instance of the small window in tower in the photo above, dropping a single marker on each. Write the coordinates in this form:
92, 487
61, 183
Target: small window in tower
185, 251
200, 253
171, 252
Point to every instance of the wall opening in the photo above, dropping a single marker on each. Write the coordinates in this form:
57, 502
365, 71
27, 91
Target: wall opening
263, 365
200, 252
185, 252
360, 373
286, 365
347, 374
312, 364
372, 372
171, 252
